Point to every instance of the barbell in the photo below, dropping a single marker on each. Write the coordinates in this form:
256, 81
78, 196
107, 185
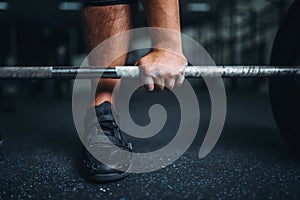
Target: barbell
71, 72
285, 94
283, 74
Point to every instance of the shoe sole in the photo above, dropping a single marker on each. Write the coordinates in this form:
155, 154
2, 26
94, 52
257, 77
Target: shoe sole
104, 178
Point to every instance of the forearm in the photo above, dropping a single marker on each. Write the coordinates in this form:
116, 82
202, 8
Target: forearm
164, 14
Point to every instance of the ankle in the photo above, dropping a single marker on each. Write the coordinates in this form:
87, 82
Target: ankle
101, 98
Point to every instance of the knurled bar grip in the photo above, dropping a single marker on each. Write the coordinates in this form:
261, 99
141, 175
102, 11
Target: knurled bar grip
59, 72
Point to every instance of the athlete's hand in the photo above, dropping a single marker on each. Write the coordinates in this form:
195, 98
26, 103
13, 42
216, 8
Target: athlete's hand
162, 68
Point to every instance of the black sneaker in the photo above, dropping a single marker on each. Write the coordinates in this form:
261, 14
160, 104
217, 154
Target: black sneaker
97, 142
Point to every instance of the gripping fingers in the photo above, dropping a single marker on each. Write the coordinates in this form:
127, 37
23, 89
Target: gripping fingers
148, 83
160, 83
181, 76
158, 80
179, 80
169, 83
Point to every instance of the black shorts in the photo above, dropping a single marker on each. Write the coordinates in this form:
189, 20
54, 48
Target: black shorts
107, 2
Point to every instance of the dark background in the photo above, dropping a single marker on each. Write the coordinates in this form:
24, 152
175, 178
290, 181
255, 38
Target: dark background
51, 33
232, 31
39, 156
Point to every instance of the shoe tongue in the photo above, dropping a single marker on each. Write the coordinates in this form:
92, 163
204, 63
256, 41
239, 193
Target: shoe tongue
104, 109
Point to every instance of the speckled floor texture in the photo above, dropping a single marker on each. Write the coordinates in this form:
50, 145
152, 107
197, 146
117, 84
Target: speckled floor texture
39, 156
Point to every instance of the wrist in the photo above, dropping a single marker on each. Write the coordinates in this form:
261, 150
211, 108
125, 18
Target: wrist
166, 39
169, 53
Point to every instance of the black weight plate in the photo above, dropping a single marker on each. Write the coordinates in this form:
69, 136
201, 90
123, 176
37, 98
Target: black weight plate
285, 92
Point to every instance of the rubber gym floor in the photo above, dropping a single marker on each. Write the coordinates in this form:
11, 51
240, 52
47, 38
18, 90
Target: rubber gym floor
39, 156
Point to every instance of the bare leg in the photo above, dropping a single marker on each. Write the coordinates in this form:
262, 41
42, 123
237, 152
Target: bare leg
103, 22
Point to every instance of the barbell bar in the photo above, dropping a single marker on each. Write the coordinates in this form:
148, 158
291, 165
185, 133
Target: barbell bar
71, 72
